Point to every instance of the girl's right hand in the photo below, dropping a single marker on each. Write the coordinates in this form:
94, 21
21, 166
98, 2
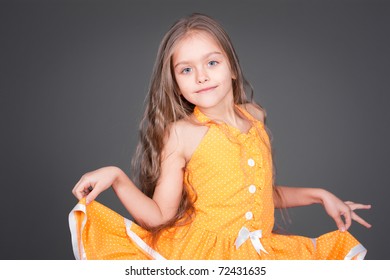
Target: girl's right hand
93, 183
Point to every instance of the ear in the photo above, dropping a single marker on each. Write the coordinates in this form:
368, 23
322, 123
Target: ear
234, 77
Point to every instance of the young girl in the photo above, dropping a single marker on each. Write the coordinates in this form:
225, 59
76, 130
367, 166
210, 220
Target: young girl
204, 169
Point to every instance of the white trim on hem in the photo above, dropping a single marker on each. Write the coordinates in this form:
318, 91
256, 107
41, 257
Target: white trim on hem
78, 249
145, 247
359, 251
78, 252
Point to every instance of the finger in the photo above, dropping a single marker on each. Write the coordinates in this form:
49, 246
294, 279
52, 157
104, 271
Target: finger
348, 219
339, 223
93, 193
360, 220
360, 206
78, 192
76, 188
82, 189
87, 190
355, 206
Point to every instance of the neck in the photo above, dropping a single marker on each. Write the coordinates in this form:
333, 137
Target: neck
226, 113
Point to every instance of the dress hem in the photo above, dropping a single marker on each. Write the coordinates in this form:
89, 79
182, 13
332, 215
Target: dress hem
357, 253
76, 230
78, 219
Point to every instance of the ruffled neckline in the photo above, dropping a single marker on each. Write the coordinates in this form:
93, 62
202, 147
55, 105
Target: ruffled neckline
202, 118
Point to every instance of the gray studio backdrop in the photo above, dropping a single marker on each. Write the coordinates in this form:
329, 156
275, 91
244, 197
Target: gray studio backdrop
74, 75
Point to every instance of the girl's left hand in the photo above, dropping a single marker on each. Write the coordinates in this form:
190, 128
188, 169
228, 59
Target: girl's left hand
337, 208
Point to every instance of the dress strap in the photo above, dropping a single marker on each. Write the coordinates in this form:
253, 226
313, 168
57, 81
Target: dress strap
202, 118
246, 113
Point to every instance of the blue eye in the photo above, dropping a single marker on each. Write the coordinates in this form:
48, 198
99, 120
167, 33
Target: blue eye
213, 63
186, 70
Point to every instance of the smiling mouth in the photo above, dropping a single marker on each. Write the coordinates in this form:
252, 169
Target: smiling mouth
206, 89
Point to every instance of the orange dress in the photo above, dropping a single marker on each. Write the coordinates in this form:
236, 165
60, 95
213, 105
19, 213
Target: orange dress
231, 173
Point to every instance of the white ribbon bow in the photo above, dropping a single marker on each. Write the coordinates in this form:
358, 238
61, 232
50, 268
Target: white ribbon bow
255, 236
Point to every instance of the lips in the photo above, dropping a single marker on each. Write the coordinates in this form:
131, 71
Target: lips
204, 90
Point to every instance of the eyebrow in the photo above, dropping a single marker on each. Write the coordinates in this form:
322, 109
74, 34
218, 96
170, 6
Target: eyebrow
204, 57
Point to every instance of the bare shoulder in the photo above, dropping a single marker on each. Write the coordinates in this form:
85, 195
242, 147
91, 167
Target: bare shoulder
188, 134
254, 110
172, 152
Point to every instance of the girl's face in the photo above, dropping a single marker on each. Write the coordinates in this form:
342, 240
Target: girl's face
202, 71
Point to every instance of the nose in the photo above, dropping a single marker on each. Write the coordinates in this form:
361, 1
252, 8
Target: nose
202, 77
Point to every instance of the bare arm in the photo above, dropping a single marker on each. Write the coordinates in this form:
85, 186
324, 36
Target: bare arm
293, 197
150, 211
141, 207
167, 195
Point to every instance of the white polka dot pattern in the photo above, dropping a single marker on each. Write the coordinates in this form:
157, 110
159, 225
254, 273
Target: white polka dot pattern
232, 175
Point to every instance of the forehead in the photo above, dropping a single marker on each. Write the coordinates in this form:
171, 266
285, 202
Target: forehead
194, 46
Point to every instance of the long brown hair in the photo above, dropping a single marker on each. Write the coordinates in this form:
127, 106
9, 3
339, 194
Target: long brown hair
165, 105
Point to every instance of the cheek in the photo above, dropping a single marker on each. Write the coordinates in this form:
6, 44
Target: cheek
177, 81
182, 83
227, 76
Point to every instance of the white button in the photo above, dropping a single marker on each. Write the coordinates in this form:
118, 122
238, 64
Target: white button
248, 215
251, 162
252, 188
